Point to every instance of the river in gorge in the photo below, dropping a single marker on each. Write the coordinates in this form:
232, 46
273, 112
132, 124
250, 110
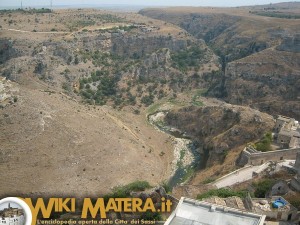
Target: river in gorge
187, 158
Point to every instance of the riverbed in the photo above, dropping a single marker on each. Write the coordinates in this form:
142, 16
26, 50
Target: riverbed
186, 156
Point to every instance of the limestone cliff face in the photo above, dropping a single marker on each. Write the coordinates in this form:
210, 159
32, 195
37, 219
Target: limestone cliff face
155, 65
205, 26
98, 41
219, 129
225, 33
268, 80
208, 26
84, 42
260, 58
140, 45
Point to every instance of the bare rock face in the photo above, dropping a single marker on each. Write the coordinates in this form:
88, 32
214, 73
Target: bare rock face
202, 25
162, 192
219, 129
154, 65
268, 80
161, 57
256, 70
139, 46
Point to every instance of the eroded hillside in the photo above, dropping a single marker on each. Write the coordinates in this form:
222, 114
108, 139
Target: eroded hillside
52, 145
220, 128
57, 137
257, 53
82, 84
119, 60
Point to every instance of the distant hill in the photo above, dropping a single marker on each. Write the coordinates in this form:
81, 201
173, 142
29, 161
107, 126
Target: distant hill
276, 6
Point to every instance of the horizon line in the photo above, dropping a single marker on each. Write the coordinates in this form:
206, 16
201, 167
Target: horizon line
132, 5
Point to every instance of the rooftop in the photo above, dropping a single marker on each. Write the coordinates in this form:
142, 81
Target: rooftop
193, 212
266, 204
232, 202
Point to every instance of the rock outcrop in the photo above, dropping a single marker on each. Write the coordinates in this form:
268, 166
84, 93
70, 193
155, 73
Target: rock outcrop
218, 129
268, 80
140, 45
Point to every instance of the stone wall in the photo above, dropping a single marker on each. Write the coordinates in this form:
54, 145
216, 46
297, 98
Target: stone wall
283, 138
257, 158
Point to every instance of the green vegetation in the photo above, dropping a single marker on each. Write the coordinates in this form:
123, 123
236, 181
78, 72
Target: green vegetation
264, 145
92, 19
154, 108
167, 187
83, 23
222, 192
149, 216
262, 187
182, 154
127, 28
147, 100
41, 10
124, 191
11, 10
189, 172
145, 89
136, 111
208, 180
110, 61
189, 57
116, 28
109, 18
277, 14
66, 86
198, 94
104, 86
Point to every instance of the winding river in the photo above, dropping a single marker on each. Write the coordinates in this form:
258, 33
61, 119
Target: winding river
186, 154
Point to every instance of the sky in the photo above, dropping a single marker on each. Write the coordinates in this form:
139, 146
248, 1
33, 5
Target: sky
12, 204
221, 3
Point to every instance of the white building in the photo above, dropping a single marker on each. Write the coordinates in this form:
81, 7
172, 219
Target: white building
12, 216
193, 212
15, 220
